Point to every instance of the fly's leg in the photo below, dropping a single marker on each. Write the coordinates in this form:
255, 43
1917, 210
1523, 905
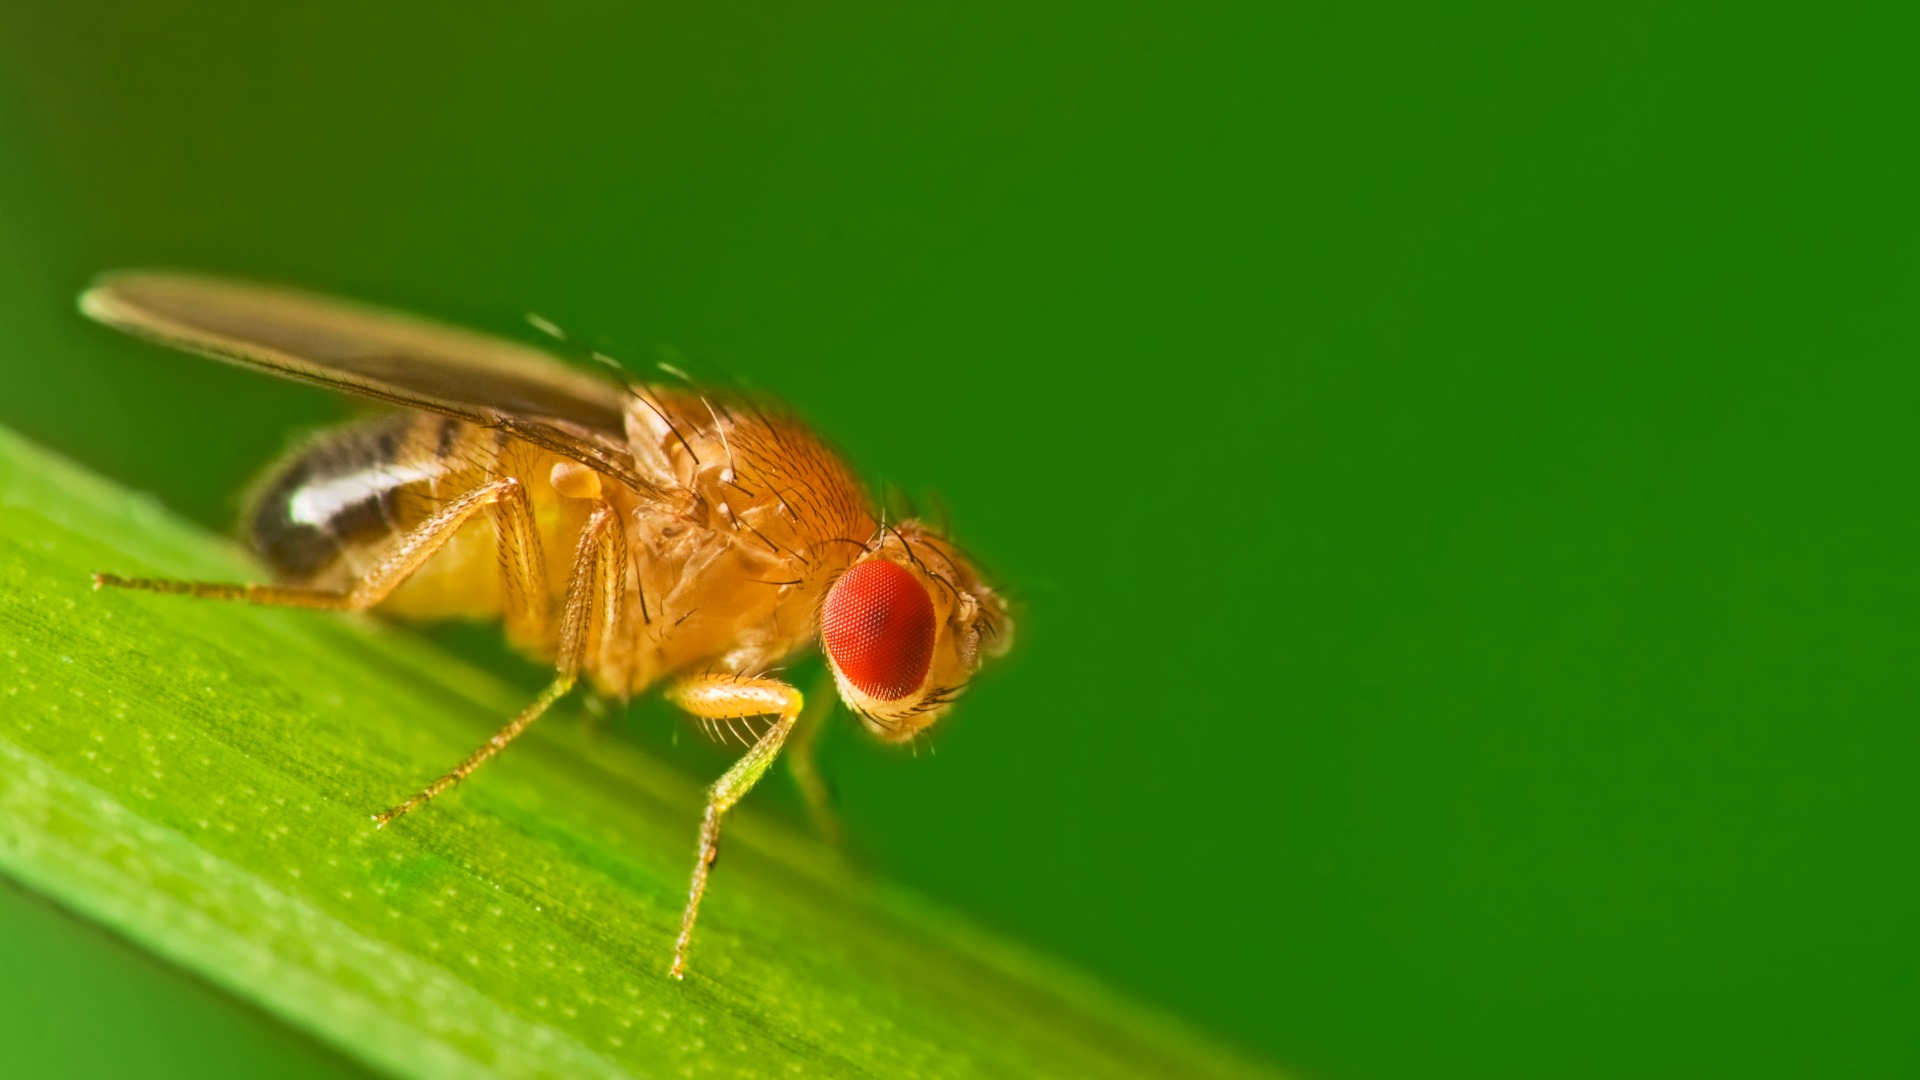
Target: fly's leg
528, 604
803, 762
729, 697
595, 586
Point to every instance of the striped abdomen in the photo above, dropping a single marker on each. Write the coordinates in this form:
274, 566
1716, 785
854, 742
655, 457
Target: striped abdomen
327, 513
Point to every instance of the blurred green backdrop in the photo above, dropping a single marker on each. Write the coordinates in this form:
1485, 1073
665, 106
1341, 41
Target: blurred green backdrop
1455, 462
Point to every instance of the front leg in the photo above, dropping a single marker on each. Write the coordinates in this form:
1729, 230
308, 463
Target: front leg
729, 697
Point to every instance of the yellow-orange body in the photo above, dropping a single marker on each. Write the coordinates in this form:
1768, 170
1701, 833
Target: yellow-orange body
727, 569
627, 534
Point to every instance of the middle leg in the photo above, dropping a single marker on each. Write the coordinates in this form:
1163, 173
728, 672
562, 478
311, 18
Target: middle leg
595, 586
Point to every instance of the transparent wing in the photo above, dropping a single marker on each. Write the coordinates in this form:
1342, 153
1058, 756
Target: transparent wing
375, 354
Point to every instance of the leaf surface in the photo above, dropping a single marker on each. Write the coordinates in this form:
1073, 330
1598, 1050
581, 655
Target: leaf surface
199, 777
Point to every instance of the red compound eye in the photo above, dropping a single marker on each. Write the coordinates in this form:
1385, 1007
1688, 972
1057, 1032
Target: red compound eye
877, 625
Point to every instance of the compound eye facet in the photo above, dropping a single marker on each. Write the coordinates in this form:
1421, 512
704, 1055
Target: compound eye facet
877, 626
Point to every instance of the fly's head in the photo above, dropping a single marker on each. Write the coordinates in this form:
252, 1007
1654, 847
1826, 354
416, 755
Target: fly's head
905, 628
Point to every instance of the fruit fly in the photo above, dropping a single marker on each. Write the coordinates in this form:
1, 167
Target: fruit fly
631, 535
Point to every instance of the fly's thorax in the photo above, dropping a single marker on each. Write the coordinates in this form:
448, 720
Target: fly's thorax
752, 518
903, 617
751, 469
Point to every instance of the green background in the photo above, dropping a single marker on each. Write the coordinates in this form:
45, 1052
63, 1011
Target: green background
1454, 464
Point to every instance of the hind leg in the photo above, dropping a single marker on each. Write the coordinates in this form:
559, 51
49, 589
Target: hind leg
528, 601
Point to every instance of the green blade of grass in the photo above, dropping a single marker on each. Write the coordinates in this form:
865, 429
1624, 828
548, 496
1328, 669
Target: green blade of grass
198, 777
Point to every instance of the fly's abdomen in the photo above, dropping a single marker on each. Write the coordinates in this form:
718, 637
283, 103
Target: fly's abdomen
337, 498
330, 512
327, 514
